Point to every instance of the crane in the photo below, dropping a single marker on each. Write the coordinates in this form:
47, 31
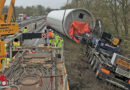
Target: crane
7, 27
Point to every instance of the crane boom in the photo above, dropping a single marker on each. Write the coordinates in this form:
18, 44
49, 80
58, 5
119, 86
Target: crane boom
2, 2
6, 26
10, 12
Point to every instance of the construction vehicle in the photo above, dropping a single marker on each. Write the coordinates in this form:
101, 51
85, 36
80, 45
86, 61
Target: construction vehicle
8, 26
7, 23
104, 56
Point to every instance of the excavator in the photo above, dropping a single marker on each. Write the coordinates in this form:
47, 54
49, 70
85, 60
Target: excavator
8, 26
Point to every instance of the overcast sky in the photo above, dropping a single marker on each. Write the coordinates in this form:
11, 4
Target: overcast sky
46, 3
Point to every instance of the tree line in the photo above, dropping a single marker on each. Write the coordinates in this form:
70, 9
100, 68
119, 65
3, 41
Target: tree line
115, 14
29, 10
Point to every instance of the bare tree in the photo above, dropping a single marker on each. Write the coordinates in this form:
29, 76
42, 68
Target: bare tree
124, 5
114, 7
85, 3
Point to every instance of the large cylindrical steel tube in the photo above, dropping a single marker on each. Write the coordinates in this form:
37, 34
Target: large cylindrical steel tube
61, 20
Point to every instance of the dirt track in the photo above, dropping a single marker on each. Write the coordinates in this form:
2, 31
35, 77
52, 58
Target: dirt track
80, 74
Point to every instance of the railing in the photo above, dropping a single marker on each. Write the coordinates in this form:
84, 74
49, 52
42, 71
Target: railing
9, 42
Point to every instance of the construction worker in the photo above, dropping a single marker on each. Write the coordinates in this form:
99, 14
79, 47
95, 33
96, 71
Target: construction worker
56, 40
16, 43
7, 60
25, 30
51, 36
35, 25
45, 38
60, 42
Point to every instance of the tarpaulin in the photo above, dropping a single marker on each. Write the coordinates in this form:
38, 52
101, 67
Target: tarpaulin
77, 29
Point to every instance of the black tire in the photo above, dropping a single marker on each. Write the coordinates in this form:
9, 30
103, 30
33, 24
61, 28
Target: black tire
89, 53
91, 57
86, 53
92, 62
87, 50
98, 71
95, 66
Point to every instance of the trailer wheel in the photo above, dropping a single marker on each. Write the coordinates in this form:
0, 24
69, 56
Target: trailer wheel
97, 73
92, 61
95, 66
91, 57
89, 54
87, 50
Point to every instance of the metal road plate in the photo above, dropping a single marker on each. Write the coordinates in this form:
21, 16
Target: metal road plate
123, 72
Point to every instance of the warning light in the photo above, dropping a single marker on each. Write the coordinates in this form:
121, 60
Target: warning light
129, 82
105, 71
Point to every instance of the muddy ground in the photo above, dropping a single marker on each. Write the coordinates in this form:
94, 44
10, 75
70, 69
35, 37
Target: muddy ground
80, 74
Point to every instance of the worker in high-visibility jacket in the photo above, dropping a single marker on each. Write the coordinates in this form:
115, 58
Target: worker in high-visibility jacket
56, 40
51, 36
60, 42
7, 60
16, 43
35, 25
25, 30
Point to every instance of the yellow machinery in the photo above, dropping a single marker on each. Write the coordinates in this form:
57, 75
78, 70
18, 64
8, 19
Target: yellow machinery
115, 41
7, 27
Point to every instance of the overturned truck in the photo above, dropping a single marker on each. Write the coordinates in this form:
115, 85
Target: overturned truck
103, 54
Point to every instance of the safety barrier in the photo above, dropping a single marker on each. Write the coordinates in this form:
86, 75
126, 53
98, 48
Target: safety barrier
23, 23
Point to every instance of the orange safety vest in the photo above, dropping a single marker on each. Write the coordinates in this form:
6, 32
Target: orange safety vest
50, 34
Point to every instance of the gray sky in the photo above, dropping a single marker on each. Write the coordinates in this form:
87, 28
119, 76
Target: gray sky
45, 3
